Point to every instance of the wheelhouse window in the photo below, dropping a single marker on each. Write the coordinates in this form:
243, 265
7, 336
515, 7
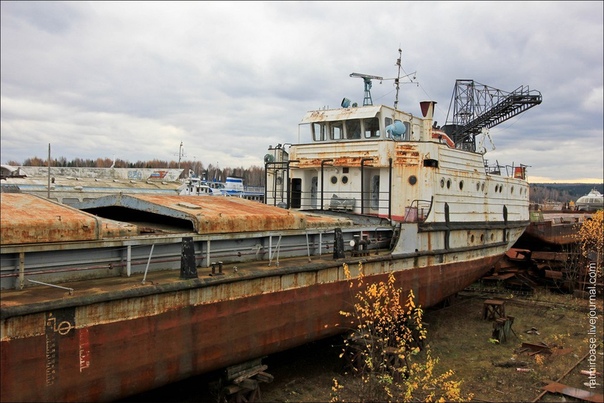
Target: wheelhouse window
336, 130
319, 131
371, 127
353, 129
388, 122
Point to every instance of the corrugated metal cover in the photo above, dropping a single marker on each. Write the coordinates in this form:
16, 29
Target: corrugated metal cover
361, 112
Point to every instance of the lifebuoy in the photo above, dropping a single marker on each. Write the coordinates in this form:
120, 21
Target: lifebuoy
440, 135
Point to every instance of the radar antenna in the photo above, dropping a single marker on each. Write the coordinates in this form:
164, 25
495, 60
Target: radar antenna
367, 79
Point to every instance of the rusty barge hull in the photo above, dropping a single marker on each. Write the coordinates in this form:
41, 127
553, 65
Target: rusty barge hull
101, 351
552, 229
97, 309
121, 294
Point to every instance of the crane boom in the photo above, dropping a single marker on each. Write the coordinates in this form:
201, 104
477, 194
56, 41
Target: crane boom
477, 106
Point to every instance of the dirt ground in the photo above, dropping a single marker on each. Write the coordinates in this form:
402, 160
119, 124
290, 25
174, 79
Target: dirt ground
461, 339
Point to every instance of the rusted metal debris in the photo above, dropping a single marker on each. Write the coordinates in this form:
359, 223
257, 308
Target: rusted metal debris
577, 393
523, 270
534, 349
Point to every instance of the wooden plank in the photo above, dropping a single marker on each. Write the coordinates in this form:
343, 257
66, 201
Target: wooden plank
500, 276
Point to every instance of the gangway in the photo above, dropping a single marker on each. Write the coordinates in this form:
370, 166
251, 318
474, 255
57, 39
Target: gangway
477, 106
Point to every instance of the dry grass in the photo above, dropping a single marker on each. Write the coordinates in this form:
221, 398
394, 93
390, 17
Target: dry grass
462, 340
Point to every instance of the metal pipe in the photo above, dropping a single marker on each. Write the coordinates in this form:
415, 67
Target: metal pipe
52, 285
208, 255
288, 204
320, 243
128, 260
307, 247
148, 261
266, 183
323, 162
48, 194
390, 188
363, 184
277, 252
21, 270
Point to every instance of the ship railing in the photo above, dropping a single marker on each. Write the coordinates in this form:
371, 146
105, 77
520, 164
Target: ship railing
516, 171
418, 211
356, 201
137, 261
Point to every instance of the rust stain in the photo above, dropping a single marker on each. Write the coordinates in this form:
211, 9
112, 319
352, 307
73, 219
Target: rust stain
233, 323
26, 218
231, 214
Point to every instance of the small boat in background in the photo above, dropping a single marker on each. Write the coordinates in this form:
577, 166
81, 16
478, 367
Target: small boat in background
196, 186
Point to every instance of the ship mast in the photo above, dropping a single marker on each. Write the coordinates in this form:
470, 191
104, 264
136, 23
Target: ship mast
397, 80
398, 77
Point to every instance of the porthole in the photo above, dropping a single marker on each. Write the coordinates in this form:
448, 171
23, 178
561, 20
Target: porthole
477, 186
481, 238
482, 186
344, 179
492, 237
412, 180
460, 185
496, 188
442, 183
500, 188
472, 238
512, 190
334, 180
448, 183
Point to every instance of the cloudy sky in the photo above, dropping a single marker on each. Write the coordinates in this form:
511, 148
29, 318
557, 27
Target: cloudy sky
228, 79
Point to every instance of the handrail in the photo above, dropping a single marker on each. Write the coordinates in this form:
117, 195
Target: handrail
418, 217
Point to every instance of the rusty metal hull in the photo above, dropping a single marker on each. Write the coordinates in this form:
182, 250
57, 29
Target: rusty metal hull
554, 229
557, 235
115, 348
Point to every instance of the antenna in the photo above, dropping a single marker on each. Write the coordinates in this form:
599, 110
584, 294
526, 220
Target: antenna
398, 77
367, 79
397, 80
181, 153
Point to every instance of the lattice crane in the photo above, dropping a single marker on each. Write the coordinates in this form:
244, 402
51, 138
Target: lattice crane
477, 106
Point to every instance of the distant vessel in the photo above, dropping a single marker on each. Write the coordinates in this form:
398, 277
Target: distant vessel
593, 201
196, 186
132, 292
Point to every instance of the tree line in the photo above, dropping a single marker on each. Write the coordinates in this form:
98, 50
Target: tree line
561, 192
252, 176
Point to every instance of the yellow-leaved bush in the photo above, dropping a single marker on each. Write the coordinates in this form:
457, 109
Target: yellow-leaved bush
386, 348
